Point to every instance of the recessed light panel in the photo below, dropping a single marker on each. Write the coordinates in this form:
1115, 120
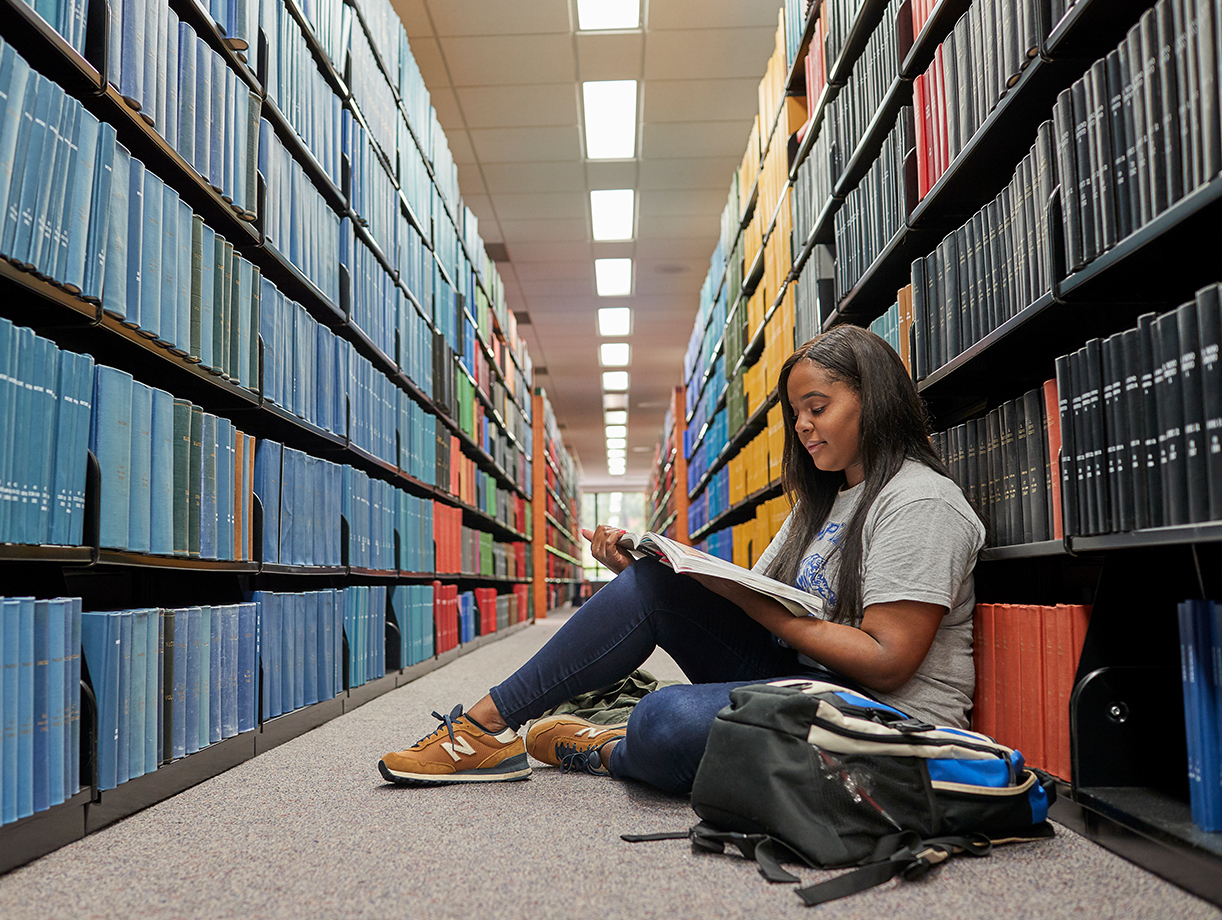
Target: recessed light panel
615, 381
610, 110
613, 277
596, 15
611, 212
614, 321
614, 354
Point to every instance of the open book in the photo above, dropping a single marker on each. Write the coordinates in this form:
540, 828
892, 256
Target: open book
688, 559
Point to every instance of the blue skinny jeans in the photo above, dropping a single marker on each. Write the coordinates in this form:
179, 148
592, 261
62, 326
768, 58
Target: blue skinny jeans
649, 606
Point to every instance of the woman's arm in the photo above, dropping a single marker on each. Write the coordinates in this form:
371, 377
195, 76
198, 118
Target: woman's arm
883, 654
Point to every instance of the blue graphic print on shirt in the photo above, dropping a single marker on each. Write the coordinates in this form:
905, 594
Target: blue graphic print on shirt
811, 574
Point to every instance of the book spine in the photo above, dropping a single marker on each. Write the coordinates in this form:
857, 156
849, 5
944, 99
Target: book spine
1190, 378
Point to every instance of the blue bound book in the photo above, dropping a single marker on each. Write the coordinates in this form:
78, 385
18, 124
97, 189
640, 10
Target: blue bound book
224, 489
151, 239
123, 757
140, 493
216, 657
208, 491
195, 476
134, 243
203, 108
101, 205
270, 650
288, 507
169, 77
153, 752
178, 690
14, 78
182, 278
41, 744
10, 629
233, 672
226, 669
207, 294
248, 666
248, 499
310, 693
112, 254
228, 133
290, 651
23, 197
64, 448
25, 131
167, 330
1207, 716
138, 691
131, 64
267, 488
216, 117
53, 256
326, 645
100, 645
152, 27
81, 201
110, 441
205, 677
191, 705
72, 696
81, 403
161, 482
186, 92
300, 651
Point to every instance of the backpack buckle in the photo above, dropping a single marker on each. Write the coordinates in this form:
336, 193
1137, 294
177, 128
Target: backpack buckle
912, 725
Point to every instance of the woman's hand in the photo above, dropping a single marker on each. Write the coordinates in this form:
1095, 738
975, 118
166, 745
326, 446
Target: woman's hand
603, 547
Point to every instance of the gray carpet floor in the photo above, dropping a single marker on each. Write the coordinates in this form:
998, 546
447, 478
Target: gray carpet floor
309, 830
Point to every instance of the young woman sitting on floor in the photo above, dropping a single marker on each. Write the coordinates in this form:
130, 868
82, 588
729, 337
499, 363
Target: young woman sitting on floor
878, 529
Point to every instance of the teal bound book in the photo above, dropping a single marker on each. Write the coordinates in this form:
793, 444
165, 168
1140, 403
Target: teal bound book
140, 492
204, 736
99, 214
151, 239
59, 634
181, 491
195, 480
15, 76
137, 694
123, 749
153, 678
135, 243
80, 202
99, 643
194, 657
40, 755
112, 256
161, 482
248, 667
216, 657
167, 331
208, 490
207, 288
182, 278
110, 441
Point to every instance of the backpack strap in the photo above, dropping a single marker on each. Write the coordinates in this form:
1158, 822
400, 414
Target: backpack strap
912, 860
762, 849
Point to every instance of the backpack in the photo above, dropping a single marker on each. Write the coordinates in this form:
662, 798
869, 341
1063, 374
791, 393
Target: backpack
807, 771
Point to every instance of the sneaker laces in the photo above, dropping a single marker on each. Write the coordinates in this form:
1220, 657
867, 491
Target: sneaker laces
574, 758
447, 722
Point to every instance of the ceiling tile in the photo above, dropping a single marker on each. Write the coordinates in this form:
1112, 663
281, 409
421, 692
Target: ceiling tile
556, 271
673, 202
557, 288
611, 174
526, 251
497, 60
415, 16
678, 14
519, 105
471, 182
541, 205
610, 56
530, 177
501, 17
525, 145
684, 140
427, 53
712, 53
542, 231
702, 100
696, 172
692, 227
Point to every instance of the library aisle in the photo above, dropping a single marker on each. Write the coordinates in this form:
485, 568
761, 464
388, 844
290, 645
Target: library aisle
309, 830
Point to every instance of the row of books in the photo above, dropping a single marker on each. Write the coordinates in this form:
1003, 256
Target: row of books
297, 221
871, 78
1140, 129
839, 17
971, 71
372, 91
991, 268
329, 21
1026, 667
1141, 422
297, 88
411, 607
374, 303
40, 704
815, 179
1007, 461
875, 210
1200, 642
302, 498
894, 326
371, 190
67, 17
365, 626
188, 93
46, 398
169, 683
175, 480
299, 645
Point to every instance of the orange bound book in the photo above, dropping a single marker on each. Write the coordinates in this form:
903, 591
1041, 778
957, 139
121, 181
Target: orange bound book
940, 103
239, 520
1054, 716
983, 716
1031, 684
1052, 415
1006, 683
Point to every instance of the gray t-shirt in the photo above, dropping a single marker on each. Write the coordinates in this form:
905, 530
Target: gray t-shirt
920, 543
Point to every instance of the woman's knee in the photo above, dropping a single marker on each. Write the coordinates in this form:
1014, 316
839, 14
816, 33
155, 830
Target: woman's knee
666, 738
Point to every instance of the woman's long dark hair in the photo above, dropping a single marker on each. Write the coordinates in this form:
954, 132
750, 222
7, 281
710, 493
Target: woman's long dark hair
893, 428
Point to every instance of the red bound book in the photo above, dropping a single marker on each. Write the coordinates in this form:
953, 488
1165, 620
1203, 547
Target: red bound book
921, 141
1052, 414
1006, 683
1065, 681
985, 710
1031, 653
941, 141
1054, 717
438, 630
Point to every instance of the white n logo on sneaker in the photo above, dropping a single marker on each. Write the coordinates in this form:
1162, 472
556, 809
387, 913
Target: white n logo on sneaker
591, 732
461, 746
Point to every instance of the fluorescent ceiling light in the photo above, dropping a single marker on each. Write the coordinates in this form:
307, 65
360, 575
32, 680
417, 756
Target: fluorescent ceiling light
617, 431
617, 442
615, 380
614, 321
613, 277
616, 453
613, 354
610, 110
615, 400
612, 212
616, 417
593, 15
616, 470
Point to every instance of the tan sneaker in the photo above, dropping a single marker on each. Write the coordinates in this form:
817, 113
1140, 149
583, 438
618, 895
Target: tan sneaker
459, 751
572, 743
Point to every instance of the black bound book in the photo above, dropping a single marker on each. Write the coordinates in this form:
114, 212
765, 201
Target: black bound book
1035, 515
950, 297
1122, 210
971, 446
935, 267
1156, 158
1170, 399
979, 278
1207, 67
1124, 129
1195, 466
1209, 328
1183, 18
1044, 180
1151, 379
1069, 476
968, 335
1139, 135
1169, 84
1022, 486
1011, 510
1120, 479
1101, 155
992, 423
991, 211
920, 318
1030, 261
1135, 458
1092, 406
1086, 176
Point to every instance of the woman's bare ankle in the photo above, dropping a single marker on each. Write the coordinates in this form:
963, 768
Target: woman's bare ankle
486, 714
